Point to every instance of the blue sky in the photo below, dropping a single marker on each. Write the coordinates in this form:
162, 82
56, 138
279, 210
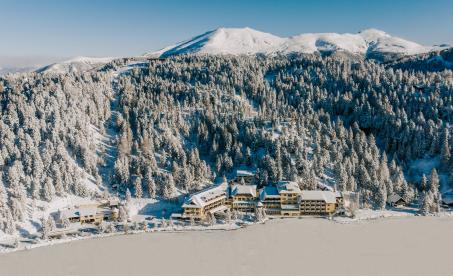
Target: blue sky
63, 28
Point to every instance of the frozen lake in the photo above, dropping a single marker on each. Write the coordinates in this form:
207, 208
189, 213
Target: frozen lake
399, 246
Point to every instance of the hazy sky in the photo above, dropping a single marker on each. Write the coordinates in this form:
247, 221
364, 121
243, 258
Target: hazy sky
61, 28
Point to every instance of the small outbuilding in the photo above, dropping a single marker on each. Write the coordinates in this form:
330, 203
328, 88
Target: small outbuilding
396, 201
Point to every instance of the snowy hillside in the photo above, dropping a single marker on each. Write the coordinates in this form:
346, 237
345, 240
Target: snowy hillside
370, 43
239, 41
78, 64
432, 61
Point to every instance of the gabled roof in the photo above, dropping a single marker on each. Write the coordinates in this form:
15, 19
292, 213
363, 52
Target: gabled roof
394, 198
327, 196
204, 197
243, 190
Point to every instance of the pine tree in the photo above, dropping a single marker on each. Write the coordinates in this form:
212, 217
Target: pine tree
424, 183
10, 227
445, 154
169, 188
138, 187
405, 193
151, 187
128, 195
381, 195
122, 214
51, 223
48, 189
425, 203
434, 190
44, 229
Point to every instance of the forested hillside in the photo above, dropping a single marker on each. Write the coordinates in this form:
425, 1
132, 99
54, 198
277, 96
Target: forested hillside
181, 122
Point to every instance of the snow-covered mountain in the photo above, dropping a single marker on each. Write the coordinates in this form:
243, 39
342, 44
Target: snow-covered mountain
370, 43
239, 41
77, 64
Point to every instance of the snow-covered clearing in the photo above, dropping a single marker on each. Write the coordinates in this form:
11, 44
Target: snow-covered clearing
32, 223
420, 167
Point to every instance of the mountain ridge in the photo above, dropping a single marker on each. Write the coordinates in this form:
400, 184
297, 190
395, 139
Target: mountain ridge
369, 43
240, 41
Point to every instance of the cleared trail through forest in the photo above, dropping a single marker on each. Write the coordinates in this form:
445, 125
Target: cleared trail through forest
111, 134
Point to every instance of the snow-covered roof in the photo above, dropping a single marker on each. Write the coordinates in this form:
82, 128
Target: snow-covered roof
393, 198
68, 213
206, 196
113, 202
218, 209
288, 186
242, 173
269, 192
87, 211
243, 190
327, 196
105, 211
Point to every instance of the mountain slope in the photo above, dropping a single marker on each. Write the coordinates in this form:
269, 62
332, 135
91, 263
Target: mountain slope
78, 64
245, 41
234, 41
432, 61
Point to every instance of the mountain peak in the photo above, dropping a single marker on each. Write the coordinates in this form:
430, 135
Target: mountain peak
373, 31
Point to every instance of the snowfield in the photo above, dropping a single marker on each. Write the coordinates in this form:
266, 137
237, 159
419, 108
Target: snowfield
279, 247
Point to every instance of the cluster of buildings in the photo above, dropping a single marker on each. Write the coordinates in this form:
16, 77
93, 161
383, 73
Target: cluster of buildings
285, 199
96, 212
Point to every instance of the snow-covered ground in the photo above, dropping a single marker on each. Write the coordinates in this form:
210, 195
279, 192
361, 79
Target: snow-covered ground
32, 223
